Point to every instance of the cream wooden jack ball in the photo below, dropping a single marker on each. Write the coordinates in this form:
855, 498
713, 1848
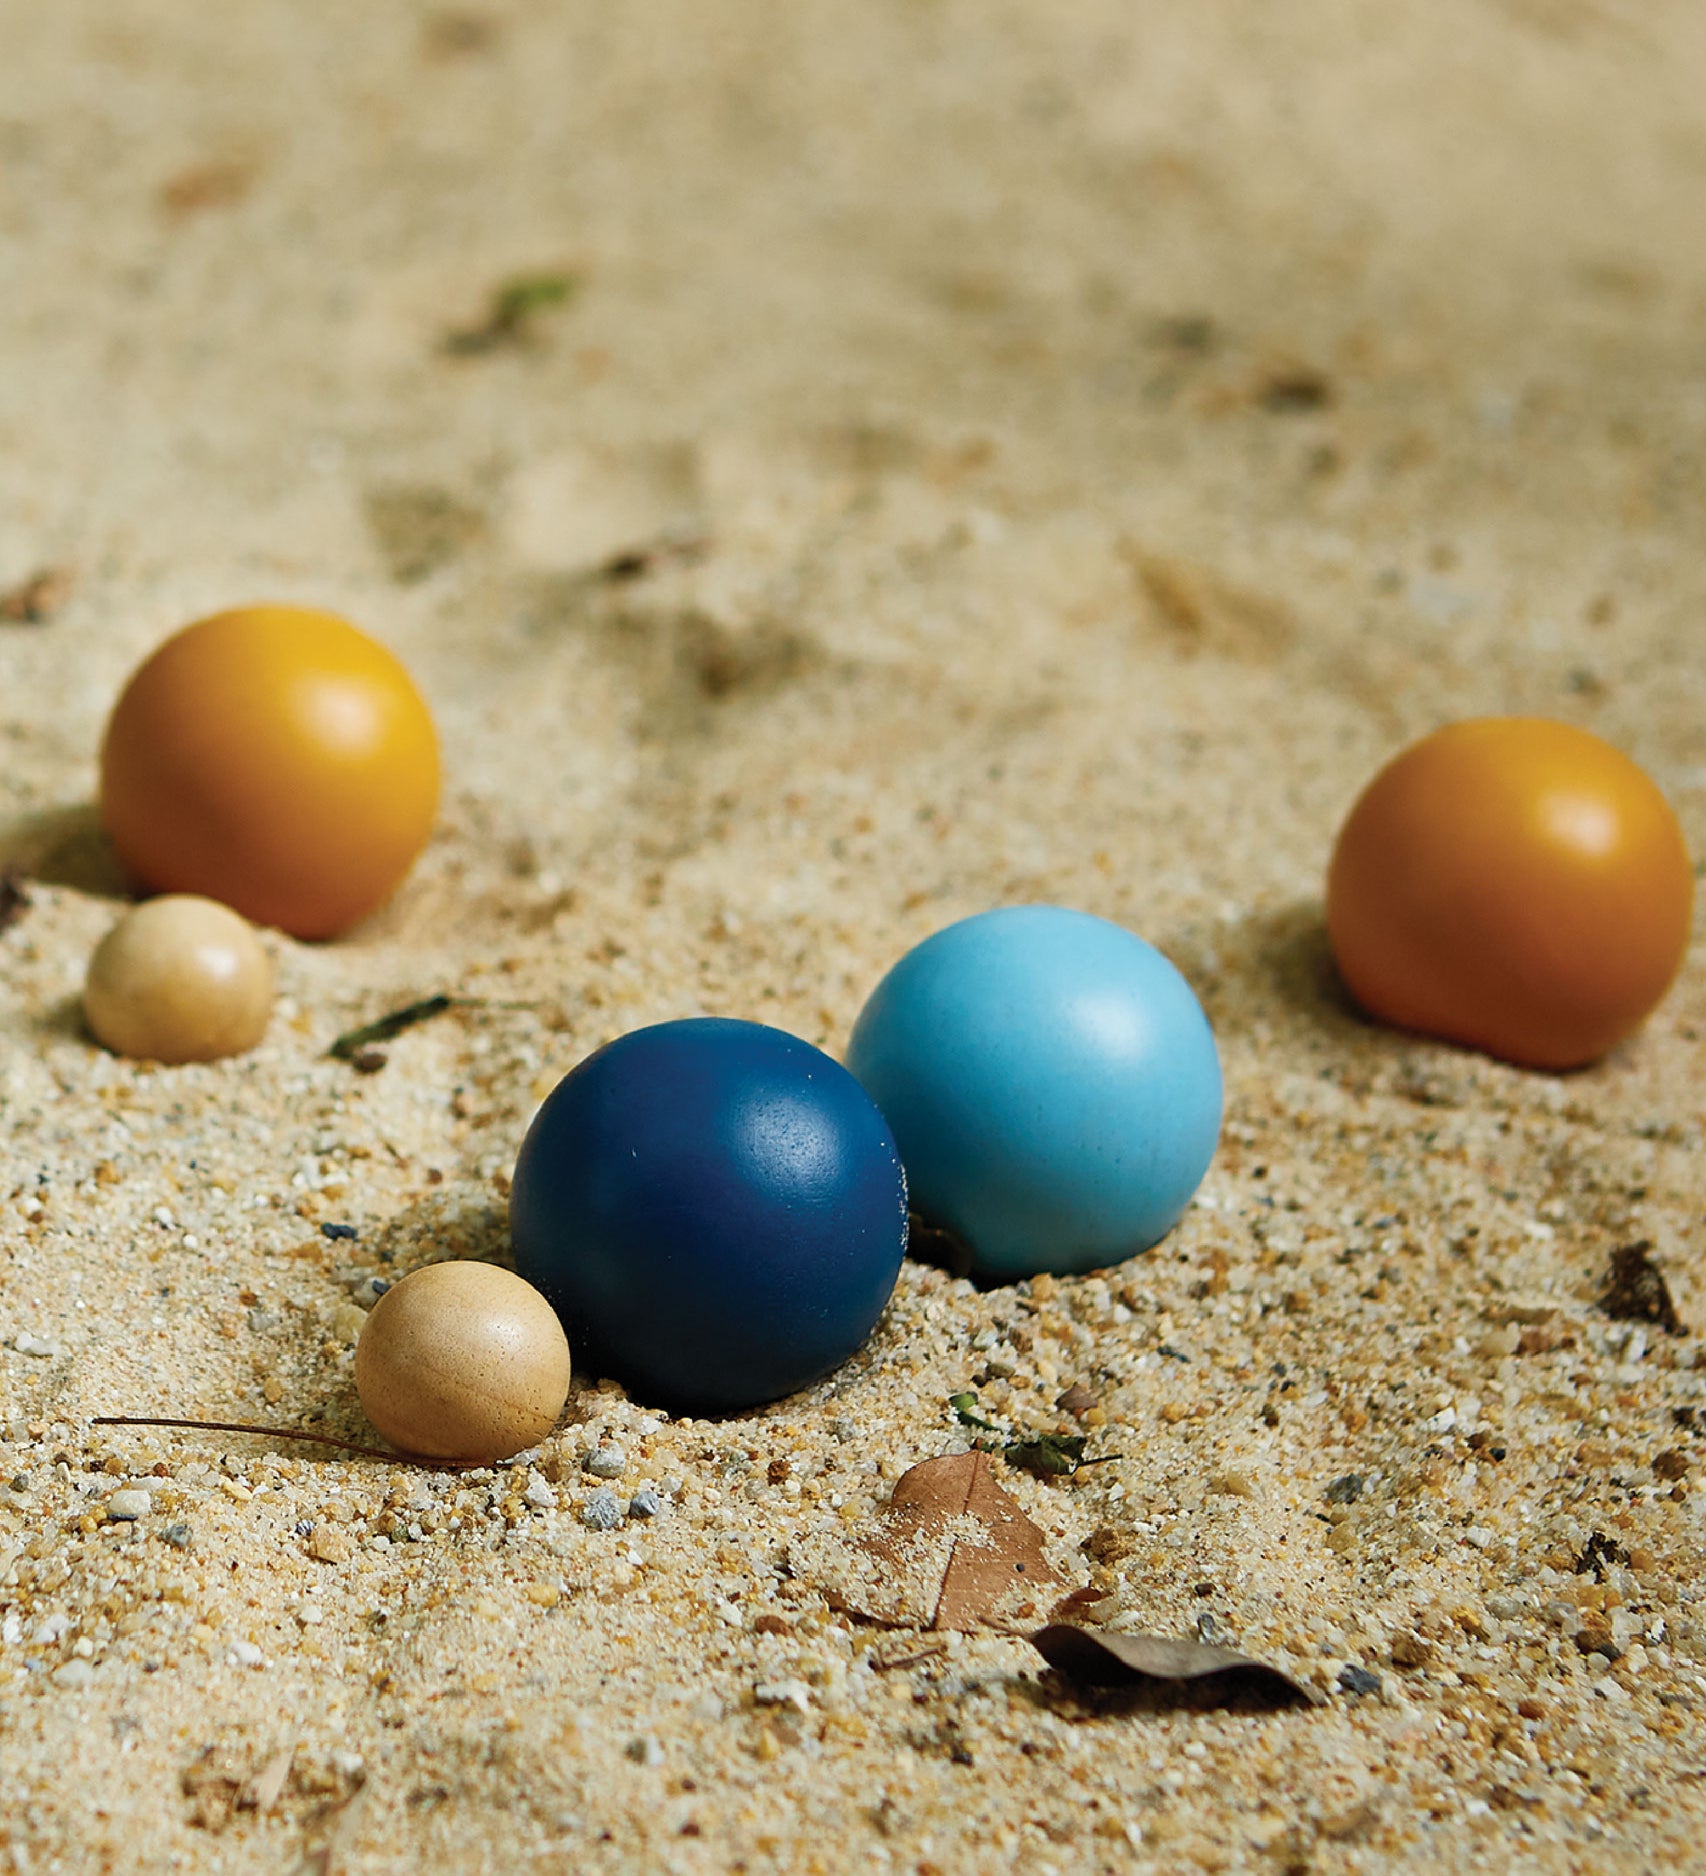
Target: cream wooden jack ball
462, 1361
179, 979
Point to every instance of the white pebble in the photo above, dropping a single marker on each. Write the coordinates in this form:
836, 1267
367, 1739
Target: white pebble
607, 1462
310, 1615
246, 1655
368, 1292
74, 1673
125, 1506
783, 1694
539, 1493
601, 1512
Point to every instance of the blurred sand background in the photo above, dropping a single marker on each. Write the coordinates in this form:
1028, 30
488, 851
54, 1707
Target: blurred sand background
1084, 441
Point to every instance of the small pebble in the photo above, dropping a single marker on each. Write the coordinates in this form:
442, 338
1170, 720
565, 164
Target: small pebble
602, 1511
1411, 1651
607, 1462
177, 1535
783, 1694
328, 1544
1357, 1681
338, 1232
126, 1506
246, 1655
347, 1323
644, 1504
73, 1674
1345, 1491
539, 1494
645, 1750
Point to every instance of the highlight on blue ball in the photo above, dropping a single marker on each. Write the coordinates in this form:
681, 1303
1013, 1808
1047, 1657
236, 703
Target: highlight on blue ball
716, 1209
1052, 1083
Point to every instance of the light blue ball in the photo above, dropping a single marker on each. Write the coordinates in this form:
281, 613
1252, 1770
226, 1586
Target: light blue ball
1051, 1082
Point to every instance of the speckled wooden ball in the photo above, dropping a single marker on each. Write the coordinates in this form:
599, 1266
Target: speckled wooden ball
179, 979
462, 1361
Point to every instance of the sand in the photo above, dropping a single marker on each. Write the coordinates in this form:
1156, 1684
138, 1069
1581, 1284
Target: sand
990, 453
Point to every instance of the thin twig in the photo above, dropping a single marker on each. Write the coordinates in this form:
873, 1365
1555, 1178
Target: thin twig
275, 1433
882, 1663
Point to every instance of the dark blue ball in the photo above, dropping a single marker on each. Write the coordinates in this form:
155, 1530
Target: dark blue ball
716, 1209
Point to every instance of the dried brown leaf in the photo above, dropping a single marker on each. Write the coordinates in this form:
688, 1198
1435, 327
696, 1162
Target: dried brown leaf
213, 1782
219, 184
1092, 1657
951, 1550
1203, 612
35, 600
266, 1786
1081, 1602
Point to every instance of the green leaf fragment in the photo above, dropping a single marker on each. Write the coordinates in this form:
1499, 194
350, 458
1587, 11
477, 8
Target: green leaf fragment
513, 307
355, 1041
965, 1411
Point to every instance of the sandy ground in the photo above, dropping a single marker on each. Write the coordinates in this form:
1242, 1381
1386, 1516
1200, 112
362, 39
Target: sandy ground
1108, 432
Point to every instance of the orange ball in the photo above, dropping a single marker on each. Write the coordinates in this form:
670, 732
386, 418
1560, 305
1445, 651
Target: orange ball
1514, 884
275, 759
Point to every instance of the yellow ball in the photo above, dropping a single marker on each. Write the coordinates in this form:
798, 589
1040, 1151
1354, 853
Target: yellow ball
179, 979
463, 1361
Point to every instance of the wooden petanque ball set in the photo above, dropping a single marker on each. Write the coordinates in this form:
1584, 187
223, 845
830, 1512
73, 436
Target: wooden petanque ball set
714, 1212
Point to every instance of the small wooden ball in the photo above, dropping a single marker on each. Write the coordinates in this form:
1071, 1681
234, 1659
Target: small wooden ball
463, 1361
179, 979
